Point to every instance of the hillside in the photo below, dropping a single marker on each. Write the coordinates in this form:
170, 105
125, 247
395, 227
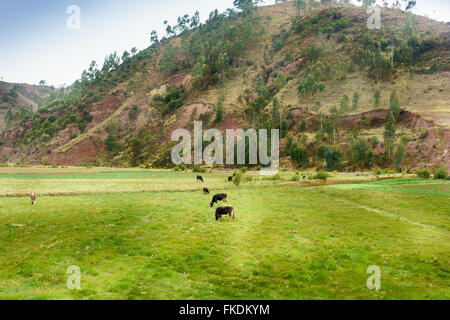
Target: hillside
21, 100
330, 83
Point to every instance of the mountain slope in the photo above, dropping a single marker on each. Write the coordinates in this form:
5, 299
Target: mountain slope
314, 66
20, 99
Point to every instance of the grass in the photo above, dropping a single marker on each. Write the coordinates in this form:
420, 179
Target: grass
286, 242
71, 182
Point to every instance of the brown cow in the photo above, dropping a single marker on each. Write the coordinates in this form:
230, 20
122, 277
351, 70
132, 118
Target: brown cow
33, 198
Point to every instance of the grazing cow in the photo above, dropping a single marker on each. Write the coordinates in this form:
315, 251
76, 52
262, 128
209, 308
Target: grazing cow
33, 198
205, 191
230, 179
200, 178
223, 211
218, 197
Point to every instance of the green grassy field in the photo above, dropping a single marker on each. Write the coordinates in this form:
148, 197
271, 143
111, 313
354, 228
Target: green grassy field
287, 242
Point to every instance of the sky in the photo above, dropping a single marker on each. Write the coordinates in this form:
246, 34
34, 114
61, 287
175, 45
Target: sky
37, 43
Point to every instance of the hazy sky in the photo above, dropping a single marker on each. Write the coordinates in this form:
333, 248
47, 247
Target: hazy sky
38, 45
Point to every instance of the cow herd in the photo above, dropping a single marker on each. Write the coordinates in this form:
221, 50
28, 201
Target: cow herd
223, 209
220, 211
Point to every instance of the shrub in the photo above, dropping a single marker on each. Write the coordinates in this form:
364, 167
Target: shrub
321, 176
133, 113
423, 173
300, 27
423, 133
198, 169
273, 178
243, 170
46, 138
237, 178
299, 155
296, 177
180, 167
73, 135
82, 126
440, 173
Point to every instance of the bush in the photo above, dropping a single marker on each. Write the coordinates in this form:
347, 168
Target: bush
296, 177
273, 178
423, 133
198, 169
440, 173
244, 170
237, 178
423, 173
180, 167
82, 126
46, 138
73, 135
321, 176
133, 113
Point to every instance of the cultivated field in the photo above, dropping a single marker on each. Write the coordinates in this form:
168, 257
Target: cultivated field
144, 234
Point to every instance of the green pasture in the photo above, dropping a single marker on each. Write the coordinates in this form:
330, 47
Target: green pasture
287, 242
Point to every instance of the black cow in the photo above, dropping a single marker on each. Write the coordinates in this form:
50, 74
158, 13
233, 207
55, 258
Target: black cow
200, 178
205, 191
230, 179
218, 197
223, 211
305, 177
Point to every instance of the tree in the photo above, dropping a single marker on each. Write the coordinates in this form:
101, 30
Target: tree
399, 157
246, 6
219, 110
333, 159
276, 117
379, 65
154, 37
389, 137
303, 126
125, 55
299, 4
355, 101
377, 96
299, 155
394, 105
358, 151
407, 4
136, 147
168, 62
367, 3
370, 157
345, 104
195, 20
8, 116
110, 141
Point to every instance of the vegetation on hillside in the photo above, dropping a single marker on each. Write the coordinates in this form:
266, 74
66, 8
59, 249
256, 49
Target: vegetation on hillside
307, 56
